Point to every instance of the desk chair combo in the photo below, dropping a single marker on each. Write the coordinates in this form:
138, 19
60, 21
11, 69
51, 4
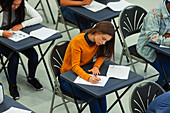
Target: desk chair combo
55, 62
143, 95
66, 23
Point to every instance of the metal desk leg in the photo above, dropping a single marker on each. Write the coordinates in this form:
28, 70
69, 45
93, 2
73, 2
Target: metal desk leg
120, 103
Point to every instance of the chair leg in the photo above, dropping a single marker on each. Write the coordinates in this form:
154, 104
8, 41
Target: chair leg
121, 57
132, 65
146, 67
52, 102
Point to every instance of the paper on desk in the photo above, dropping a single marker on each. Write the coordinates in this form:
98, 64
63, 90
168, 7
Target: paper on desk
95, 6
16, 110
116, 71
164, 46
118, 6
101, 83
43, 33
18, 35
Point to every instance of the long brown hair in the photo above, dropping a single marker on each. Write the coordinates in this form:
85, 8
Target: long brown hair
104, 27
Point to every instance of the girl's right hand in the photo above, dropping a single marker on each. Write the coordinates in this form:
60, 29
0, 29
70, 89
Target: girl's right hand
7, 33
87, 2
94, 80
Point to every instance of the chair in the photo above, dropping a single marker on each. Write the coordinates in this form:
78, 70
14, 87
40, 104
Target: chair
66, 23
130, 23
143, 95
55, 62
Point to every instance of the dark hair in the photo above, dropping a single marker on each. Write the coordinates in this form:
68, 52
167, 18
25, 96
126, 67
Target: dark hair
19, 12
104, 27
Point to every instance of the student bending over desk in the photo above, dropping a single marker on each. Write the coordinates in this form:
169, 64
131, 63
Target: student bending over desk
12, 15
81, 50
156, 28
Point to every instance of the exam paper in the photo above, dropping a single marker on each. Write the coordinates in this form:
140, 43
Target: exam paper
164, 46
43, 33
117, 71
95, 6
101, 83
118, 6
16, 110
18, 35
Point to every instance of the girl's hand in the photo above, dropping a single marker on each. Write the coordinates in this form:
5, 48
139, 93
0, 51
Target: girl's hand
94, 71
87, 2
17, 27
94, 80
7, 33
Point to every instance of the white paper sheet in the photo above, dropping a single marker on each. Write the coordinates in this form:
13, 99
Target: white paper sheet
164, 46
18, 35
95, 6
116, 71
101, 83
118, 6
43, 33
16, 110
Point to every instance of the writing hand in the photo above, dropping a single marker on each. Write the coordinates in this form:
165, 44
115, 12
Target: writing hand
7, 34
94, 80
17, 27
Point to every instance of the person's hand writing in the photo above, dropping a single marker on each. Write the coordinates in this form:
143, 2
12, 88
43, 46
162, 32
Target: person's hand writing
94, 71
7, 33
17, 27
87, 2
94, 80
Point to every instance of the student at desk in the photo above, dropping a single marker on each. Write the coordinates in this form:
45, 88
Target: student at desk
12, 15
156, 29
69, 15
81, 50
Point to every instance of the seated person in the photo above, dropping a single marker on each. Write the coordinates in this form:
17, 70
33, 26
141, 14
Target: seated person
161, 104
156, 29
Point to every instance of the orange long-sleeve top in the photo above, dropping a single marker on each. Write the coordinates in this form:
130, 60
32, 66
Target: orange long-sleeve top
79, 53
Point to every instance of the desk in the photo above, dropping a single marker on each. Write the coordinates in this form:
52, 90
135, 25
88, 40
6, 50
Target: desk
111, 86
165, 51
30, 42
9, 102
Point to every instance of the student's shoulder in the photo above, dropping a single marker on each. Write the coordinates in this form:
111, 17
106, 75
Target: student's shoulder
79, 38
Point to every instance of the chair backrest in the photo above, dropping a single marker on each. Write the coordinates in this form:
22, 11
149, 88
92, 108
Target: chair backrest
131, 20
143, 95
56, 57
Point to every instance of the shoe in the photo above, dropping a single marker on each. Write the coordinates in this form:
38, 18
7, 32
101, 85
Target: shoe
13, 89
166, 87
35, 84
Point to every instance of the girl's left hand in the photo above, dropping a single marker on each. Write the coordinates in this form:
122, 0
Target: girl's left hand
17, 27
95, 71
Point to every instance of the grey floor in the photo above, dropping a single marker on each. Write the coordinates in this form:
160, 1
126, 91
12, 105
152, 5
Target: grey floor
40, 101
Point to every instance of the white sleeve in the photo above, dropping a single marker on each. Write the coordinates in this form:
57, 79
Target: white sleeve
1, 31
35, 16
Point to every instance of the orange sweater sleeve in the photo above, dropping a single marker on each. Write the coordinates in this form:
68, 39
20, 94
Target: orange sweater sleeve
99, 62
76, 56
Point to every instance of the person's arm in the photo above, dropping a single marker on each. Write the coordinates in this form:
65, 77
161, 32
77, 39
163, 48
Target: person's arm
152, 30
74, 3
35, 16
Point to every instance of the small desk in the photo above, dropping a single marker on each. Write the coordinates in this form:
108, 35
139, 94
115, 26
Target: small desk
165, 51
30, 42
9, 102
111, 86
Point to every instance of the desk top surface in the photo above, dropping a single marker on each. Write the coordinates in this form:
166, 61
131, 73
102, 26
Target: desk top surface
9, 102
28, 42
98, 16
111, 86
162, 50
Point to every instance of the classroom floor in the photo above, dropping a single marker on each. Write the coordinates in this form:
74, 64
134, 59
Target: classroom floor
40, 101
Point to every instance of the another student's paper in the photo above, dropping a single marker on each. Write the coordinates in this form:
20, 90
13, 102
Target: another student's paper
43, 33
18, 35
16, 110
118, 6
101, 83
95, 6
116, 71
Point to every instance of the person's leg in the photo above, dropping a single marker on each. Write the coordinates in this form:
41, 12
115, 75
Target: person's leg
95, 104
12, 70
32, 56
69, 16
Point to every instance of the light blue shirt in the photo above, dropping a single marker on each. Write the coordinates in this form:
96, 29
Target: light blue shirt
167, 14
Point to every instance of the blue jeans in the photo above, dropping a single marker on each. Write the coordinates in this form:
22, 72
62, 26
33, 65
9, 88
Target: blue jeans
97, 105
30, 53
165, 60
69, 16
